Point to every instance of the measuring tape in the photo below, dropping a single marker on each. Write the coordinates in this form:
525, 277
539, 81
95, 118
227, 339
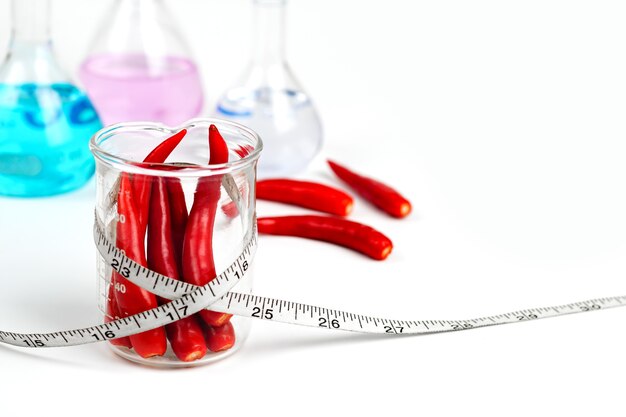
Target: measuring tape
189, 299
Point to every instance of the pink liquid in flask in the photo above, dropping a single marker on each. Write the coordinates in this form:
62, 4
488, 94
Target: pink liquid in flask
135, 87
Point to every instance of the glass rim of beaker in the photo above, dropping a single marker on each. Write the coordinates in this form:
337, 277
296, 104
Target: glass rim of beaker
184, 169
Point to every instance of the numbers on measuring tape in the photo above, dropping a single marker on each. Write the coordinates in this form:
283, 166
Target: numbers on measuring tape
458, 326
323, 322
106, 335
591, 307
530, 316
34, 343
122, 270
268, 314
396, 330
244, 266
183, 311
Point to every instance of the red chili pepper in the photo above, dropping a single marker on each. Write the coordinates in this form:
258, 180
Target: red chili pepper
142, 184
215, 318
179, 216
230, 209
379, 194
353, 235
130, 298
219, 338
185, 335
307, 194
141, 188
165, 148
198, 262
243, 150
217, 147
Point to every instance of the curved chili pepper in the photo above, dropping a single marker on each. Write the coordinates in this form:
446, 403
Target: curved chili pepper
377, 193
307, 194
165, 148
130, 298
198, 261
142, 184
353, 235
185, 335
217, 147
219, 338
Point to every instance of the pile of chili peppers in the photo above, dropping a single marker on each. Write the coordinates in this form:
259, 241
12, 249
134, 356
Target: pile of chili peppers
330, 200
180, 243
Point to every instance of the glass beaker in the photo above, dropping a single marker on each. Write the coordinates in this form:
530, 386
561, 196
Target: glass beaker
139, 67
270, 100
119, 150
45, 120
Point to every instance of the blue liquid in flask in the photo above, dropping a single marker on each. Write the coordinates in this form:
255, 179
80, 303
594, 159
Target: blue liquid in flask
44, 137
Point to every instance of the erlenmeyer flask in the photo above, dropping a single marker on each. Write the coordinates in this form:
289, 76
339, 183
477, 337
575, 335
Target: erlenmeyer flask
139, 67
45, 120
269, 100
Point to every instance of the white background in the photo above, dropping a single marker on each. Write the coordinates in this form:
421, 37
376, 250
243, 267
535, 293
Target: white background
503, 121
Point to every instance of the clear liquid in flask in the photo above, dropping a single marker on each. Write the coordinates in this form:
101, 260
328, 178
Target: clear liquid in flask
286, 121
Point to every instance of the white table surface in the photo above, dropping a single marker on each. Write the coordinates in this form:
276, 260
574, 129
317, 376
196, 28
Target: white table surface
503, 123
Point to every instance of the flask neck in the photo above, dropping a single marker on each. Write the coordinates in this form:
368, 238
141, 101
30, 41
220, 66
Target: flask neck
269, 33
140, 6
30, 56
31, 21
